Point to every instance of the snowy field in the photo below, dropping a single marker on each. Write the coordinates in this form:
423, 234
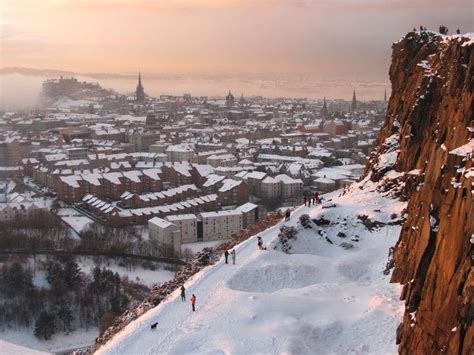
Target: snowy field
9, 341
136, 274
10, 348
321, 299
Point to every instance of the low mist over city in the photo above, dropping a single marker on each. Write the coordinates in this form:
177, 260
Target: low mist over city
236, 177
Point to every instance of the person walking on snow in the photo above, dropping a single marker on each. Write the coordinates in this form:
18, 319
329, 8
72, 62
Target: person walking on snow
226, 254
317, 198
305, 200
233, 256
183, 293
193, 302
287, 215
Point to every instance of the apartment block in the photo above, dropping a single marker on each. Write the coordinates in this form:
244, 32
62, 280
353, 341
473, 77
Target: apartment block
187, 226
166, 234
220, 224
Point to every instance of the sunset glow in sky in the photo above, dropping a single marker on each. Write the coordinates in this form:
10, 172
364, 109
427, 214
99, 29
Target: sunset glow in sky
325, 38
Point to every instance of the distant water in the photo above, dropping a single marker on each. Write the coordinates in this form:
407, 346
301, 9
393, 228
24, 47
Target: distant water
21, 92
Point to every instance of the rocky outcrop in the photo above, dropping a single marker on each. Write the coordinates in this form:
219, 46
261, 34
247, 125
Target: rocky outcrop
428, 140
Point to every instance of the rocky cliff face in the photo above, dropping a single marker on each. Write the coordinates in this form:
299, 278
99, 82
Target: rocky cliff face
428, 139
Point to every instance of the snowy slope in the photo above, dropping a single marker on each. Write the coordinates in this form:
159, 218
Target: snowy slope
322, 299
7, 348
11, 339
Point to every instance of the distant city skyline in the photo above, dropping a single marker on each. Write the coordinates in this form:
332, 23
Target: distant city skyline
340, 39
29, 85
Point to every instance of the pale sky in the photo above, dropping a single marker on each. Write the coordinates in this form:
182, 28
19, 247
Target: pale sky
343, 39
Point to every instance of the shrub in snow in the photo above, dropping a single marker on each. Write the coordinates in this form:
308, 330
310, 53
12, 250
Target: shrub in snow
355, 239
305, 221
187, 254
284, 239
346, 245
341, 235
321, 221
288, 231
368, 223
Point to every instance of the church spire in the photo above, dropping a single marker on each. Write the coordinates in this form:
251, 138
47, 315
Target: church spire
354, 101
324, 111
140, 92
242, 100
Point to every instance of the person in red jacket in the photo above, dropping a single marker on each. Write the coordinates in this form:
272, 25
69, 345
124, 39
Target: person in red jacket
193, 302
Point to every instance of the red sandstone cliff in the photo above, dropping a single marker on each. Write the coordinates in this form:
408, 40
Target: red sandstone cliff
429, 127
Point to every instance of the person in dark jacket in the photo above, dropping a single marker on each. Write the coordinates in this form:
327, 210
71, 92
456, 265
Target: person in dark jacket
226, 254
317, 198
183, 293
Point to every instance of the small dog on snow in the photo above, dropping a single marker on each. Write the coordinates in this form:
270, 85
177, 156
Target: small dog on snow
153, 326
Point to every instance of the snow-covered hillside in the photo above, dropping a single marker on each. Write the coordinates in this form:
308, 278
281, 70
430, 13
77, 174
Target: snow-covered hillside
320, 299
7, 348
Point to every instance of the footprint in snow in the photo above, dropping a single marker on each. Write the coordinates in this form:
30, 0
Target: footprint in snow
349, 299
